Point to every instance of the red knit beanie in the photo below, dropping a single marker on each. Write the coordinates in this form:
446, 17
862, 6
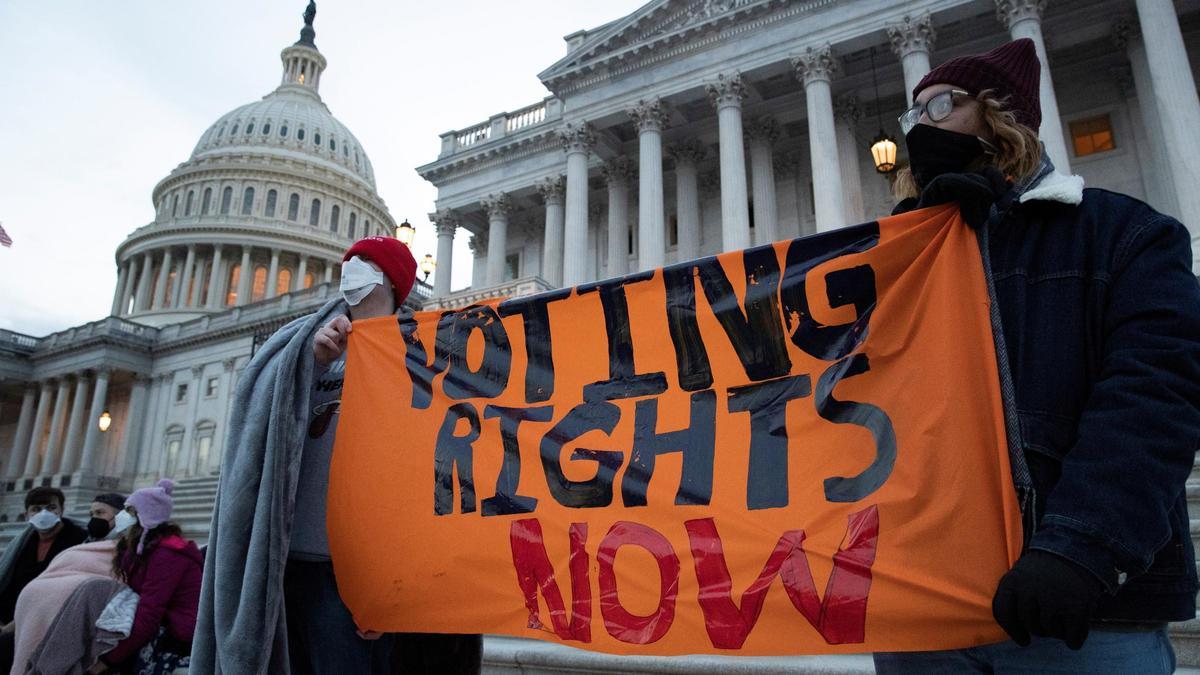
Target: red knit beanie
1013, 71
393, 257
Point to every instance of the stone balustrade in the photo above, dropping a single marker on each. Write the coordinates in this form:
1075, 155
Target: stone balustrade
502, 125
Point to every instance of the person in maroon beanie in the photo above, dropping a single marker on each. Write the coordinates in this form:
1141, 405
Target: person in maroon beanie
1096, 318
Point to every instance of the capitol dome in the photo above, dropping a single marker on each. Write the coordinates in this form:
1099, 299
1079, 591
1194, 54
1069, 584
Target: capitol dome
272, 195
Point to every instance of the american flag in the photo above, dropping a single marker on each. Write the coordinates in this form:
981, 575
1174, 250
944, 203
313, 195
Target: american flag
5, 240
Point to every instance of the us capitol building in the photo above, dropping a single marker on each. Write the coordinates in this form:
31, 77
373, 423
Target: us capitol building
686, 128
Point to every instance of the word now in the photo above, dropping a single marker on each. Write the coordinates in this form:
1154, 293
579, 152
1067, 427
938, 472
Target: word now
839, 616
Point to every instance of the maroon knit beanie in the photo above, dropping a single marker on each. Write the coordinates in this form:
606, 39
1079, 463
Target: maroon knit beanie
1013, 71
393, 257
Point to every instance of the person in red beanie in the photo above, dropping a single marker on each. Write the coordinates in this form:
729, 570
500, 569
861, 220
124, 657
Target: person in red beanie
287, 616
1096, 318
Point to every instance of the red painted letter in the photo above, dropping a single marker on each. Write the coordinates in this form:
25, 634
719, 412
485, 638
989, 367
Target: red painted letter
622, 625
840, 617
534, 570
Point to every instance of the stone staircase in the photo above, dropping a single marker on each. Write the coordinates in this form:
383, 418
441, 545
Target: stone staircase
194, 498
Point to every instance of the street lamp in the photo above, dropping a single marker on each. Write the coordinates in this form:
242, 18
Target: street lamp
883, 147
405, 233
105, 421
428, 265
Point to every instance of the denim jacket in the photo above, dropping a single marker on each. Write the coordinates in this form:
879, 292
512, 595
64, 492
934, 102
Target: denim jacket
1100, 314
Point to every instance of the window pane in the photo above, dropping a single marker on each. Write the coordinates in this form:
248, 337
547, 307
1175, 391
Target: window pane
247, 201
285, 282
1092, 135
314, 213
234, 278
260, 284
206, 202
294, 206
271, 197
226, 200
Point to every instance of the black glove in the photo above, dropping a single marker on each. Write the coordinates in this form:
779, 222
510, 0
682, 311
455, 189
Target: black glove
1048, 596
974, 192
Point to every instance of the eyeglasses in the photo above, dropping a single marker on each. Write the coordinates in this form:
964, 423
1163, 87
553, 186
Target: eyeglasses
938, 108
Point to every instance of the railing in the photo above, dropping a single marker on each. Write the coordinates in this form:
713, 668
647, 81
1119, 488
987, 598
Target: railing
108, 326
534, 114
18, 341
502, 124
517, 288
474, 135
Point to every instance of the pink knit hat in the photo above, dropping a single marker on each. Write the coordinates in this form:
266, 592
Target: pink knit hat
153, 506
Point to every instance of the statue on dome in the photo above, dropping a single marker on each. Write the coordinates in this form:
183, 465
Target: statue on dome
307, 34
310, 13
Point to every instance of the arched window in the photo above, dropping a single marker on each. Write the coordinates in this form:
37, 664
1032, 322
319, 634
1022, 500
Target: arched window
332, 145
233, 131
350, 231
187, 207
317, 139
353, 223
226, 200
247, 201
308, 279
272, 196
314, 214
260, 284
172, 445
283, 130
300, 134
293, 207
284, 283
206, 202
250, 128
175, 206
235, 277
205, 432
266, 129
335, 215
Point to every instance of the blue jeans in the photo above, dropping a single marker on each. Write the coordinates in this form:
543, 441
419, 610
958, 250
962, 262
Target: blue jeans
322, 637
1145, 653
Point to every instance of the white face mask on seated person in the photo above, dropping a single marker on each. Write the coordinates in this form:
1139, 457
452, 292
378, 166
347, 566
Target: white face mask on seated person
44, 520
122, 522
358, 280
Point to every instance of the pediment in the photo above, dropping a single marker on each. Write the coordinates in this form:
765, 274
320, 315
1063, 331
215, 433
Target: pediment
654, 24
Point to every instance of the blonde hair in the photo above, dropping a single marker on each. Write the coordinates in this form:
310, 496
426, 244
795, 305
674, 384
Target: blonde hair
1018, 156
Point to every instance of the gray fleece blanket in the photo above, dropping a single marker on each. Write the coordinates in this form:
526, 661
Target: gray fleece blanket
241, 627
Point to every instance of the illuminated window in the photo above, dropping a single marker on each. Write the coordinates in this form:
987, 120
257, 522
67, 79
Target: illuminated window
260, 284
308, 279
235, 273
1092, 135
284, 284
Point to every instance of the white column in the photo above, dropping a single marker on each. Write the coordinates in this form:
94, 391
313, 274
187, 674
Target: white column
1160, 191
32, 461
447, 224
815, 68
143, 287
762, 134
184, 280
1178, 109
198, 276
131, 282
650, 118
187, 463
214, 280
20, 445
577, 141
87, 463
727, 94
912, 42
160, 286
273, 274
497, 206
687, 155
847, 114
122, 279
72, 445
553, 192
135, 418
618, 173
1023, 18
298, 282
50, 460
244, 276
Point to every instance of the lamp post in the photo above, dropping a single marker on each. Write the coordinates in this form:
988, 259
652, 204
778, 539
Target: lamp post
883, 147
428, 265
405, 233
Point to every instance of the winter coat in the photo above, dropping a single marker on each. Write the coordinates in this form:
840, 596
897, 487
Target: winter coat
167, 581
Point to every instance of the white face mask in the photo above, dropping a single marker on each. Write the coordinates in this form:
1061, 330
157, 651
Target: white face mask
44, 520
358, 280
122, 522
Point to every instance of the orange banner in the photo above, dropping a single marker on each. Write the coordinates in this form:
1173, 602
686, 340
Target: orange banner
792, 449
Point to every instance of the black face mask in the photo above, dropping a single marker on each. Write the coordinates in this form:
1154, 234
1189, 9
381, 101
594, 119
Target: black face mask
98, 528
933, 152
